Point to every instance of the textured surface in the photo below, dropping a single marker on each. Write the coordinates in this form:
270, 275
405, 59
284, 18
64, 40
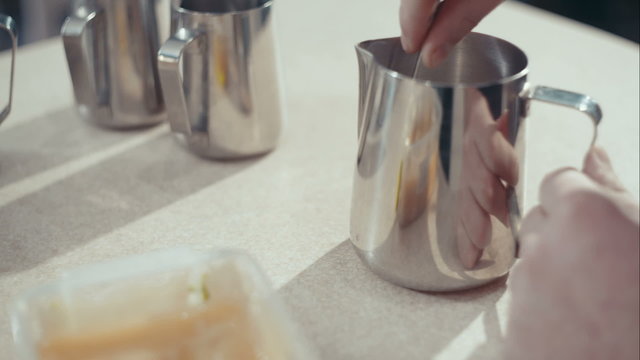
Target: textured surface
71, 193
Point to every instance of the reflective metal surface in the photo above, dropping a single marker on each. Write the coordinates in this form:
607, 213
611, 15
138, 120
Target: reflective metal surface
7, 24
436, 185
220, 78
111, 48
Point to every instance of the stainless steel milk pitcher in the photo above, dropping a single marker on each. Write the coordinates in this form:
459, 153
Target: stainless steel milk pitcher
9, 25
436, 185
111, 48
220, 77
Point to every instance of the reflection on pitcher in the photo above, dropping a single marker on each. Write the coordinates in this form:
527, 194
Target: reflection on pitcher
417, 174
490, 164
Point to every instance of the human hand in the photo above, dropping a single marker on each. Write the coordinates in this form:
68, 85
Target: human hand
488, 161
575, 292
437, 32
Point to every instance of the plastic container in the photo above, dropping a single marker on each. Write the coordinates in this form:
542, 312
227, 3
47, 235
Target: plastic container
173, 304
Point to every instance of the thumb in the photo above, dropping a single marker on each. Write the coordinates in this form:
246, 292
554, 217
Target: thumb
597, 166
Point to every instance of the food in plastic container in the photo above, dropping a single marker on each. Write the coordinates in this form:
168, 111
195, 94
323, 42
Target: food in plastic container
174, 304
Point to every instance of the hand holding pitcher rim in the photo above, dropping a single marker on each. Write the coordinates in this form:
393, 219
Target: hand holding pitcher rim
436, 185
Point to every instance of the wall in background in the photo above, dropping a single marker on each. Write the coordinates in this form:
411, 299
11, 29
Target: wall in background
619, 17
36, 19
41, 19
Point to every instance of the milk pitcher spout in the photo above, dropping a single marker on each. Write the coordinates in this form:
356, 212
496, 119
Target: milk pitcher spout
365, 62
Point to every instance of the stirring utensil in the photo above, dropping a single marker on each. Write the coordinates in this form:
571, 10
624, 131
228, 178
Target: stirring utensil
436, 10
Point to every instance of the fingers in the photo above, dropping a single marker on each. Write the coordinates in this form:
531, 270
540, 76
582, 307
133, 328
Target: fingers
530, 228
598, 167
558, 187
502, 124
415, 20
487, 189
469, 253
455, 19
498, 154
476, 221
533, 221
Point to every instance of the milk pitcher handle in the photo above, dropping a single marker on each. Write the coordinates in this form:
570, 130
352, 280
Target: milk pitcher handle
7, 24
171, 79
580, 102
85, 64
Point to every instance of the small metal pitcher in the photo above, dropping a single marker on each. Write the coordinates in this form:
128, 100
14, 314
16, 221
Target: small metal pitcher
9, 25
220, 77
111, 48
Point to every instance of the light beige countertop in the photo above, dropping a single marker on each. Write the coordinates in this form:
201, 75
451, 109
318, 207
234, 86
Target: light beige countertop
71, 193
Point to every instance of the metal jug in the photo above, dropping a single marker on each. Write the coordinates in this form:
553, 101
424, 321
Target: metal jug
423, 176
9, 25
111, 48
220, 77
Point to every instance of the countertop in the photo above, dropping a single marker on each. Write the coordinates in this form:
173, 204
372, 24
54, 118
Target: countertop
72, 193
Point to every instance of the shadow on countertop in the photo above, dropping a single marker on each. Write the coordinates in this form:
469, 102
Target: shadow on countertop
104, 196
51, 140
349, 313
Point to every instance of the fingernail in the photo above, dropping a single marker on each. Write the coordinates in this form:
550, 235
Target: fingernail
601, 156
596, 162
468, 253
596, 159
406, 44
433, 56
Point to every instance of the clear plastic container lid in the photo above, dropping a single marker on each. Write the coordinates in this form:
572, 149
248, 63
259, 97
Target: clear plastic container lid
172, 304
